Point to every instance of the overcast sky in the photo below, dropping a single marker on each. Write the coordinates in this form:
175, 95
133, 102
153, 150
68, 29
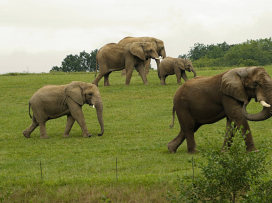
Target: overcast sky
36, 35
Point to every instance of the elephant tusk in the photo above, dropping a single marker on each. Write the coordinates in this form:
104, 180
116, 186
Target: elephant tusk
93, 106
159, 58
265, 104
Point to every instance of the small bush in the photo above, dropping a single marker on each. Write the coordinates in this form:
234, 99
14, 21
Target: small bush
226, 177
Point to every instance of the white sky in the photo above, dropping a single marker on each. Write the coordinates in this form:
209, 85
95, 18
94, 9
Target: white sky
36, 35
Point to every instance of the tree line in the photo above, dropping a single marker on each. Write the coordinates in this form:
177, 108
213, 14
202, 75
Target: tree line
84, 62
249, 53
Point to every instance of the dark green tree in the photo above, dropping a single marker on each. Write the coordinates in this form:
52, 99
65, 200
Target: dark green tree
78, 63
71, 64
198, 51
93, 60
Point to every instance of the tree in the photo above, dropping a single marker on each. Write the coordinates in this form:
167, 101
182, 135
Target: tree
78, 63
198, 51
184, 56
93, 60
249, 53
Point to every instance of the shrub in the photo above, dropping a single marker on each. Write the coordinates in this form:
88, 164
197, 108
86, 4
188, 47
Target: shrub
226, 177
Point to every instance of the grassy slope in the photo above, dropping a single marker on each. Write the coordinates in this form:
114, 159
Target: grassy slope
84, 169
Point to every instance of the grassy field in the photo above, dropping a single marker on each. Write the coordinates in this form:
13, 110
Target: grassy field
129, 163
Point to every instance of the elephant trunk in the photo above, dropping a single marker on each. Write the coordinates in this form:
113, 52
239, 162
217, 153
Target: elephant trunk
99, 112
262, 115
162, 53
193, 70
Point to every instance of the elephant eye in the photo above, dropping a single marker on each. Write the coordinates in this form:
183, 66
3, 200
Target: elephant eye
91, 94
255, 84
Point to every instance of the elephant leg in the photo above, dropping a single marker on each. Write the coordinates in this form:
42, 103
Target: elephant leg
97, 79
158, 63
106, 79
163, 80
128, 75
69, 125
228, 135
248, 136
184, 76
178, 75
43, 131
191, 144
147, 66
123, 72
233, 110
31, 128
142, 74
77, 114
176, 142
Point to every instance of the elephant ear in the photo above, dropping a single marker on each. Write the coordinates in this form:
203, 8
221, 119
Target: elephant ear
136, 49
180, 64
74, 91
232, 84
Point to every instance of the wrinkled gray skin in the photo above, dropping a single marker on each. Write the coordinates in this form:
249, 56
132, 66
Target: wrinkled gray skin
52, 101
205, 100
178, 66
114, 57
156, 43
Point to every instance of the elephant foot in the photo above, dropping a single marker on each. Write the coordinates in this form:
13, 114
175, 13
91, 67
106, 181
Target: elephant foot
66, 136
26, 134
45, 137
252, 150
96, 84
172, 149
193, 151
88, 135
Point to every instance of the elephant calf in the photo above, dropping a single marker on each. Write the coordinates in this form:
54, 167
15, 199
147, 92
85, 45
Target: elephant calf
178, 66
52, 101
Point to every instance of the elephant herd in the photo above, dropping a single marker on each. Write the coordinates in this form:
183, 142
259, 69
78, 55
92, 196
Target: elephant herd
199, 101
137, 52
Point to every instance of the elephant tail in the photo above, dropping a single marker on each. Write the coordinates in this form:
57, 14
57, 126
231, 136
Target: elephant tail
29, 105
171, 126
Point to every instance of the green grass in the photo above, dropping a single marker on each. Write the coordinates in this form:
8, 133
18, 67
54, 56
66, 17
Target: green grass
77, 169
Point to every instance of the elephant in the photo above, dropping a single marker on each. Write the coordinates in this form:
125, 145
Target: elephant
54, 101
114, 57
157, 44
171, 66
208, 99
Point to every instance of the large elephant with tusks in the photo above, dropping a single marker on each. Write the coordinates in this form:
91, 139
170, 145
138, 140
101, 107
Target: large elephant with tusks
204, 100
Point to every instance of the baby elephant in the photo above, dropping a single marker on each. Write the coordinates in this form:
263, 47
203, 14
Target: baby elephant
178, 66
52, 101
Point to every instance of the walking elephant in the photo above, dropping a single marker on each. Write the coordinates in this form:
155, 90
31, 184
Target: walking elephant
205, 100
171, 66
52, 101
114, 57
157, 44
